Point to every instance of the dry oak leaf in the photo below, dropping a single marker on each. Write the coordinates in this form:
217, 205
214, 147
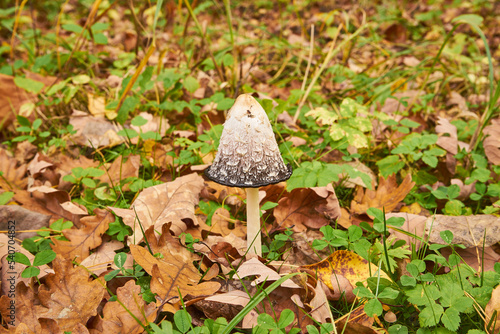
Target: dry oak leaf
307, 207
219, 193
104, 256
467, 230
168, 202
492, 143
82, 240
492, 306
254, 267
168, 245
25, 312
13, 177
345, 263
94, 131
388, 195
23, 219
117, 317
120, 170
172, 275
69, 296
220, 224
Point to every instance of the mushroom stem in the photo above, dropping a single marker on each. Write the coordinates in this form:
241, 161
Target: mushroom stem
254, 241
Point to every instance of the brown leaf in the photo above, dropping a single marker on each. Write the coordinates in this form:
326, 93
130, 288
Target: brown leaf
13, 97
474, 257
492, 306
169, 202
449, 143
491, 143
168, 245
467, 230
118, 317
221, 221
120, 170
94, 131
226, 305
25, 308
172, 276
320, 305
388, 195
254, 267
414, 224
69, 296
81, 241
13, 177
103, 257
219, 193
307, 207
17, 219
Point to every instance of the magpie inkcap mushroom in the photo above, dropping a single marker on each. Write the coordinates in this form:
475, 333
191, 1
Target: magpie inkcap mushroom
248, 157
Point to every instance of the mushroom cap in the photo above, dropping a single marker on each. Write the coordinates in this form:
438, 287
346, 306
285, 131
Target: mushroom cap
248, 155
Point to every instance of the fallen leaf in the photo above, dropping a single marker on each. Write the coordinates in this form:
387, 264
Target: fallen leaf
14, 176
491, 143
38, 165
120, 170
388, 195
17, 219
172, 277
226, 305
342, 262
254, 267
221, 221
82, 240
130, 315
26, 316
414, 224
219, 193
449, 143
307, 207
492, 306
474, 257
168, 202
467, 230
103, 257
94, 131
154, 124
320, 305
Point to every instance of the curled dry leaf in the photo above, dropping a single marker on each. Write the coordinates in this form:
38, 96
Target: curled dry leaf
128, 316
26, 315
467, 230
345, 263
254, 267
320, 305
388, 195
168, 245
172, 276
307, 207
491, 143
219, 193
82, 240
168, 202
38, 165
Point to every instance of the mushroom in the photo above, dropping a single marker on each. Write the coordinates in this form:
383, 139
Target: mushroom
248, 157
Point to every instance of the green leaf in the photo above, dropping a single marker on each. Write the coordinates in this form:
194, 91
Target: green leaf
36, 124
408, 281
286, 318
72, 27
373, 307
447, 236
89, 182
390, 165
471, 19
30, 272
389, 293
182, 320
451, 319
191, 84
6, 197
139, 121
129, 133
430, 160
21, 258
120, 259
397, 329
29, 85
430, 315
423, 294
44, 257
23, 121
